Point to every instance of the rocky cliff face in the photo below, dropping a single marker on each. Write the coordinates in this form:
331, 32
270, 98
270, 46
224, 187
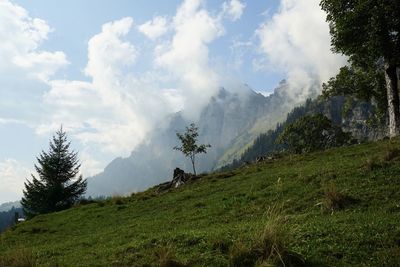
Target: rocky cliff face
228, 115
230, 123
275, 109
354, 116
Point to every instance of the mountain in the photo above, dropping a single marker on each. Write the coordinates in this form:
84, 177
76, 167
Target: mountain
7, 214
9, 205
275, 108
229, 115
352, 115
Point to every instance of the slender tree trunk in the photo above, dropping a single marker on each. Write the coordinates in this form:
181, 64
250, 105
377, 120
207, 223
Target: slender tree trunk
194, 168
392, 87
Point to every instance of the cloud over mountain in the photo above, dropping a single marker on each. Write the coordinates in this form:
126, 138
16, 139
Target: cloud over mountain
296, 41
133, 75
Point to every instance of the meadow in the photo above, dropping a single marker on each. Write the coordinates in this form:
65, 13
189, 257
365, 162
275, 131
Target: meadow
340, 207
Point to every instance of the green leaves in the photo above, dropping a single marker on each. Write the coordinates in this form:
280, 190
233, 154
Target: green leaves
364, 30
364, 84
189, 146
312, 133
368, 32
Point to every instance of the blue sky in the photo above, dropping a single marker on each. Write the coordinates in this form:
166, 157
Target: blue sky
75, 22
109, 71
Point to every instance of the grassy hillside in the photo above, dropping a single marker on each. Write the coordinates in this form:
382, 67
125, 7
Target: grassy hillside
335, 208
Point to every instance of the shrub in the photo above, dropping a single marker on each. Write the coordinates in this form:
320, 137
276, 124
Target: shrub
312, 133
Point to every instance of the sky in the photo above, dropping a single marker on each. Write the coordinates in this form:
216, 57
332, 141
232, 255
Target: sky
110, 71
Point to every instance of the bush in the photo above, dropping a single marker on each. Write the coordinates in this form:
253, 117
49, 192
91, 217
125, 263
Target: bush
313, 133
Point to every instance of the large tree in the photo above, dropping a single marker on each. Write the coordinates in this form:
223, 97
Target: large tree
58, 185
367, 31
189, 144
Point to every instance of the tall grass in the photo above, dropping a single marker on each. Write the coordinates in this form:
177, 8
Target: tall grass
20, 257
334, 200
166, 257
269, 247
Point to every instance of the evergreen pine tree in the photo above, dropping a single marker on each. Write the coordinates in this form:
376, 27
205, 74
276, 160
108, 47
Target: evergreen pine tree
57, 186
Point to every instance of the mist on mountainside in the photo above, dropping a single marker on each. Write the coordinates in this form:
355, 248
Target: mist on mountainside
9, 205
230, 120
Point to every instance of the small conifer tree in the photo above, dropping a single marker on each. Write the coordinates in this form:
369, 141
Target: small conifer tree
57, 185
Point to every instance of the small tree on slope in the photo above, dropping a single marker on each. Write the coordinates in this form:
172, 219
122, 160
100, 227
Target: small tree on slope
189, 146
57, 186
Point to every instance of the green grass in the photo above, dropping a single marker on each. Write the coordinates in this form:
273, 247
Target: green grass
202, 223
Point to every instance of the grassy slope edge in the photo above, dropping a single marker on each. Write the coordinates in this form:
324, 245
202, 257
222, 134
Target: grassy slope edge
201, 221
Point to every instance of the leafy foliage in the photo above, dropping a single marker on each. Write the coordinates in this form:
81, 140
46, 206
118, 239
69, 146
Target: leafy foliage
189, 146
312, 133
56, 187
363, 84
366, 31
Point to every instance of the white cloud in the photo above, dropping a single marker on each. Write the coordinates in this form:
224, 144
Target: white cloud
13, 175
108, 53
234, 9
114, 109
117, 108
90, 166
296, 41
25, 67
21, 36
154, 28
238, 52
186, 56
